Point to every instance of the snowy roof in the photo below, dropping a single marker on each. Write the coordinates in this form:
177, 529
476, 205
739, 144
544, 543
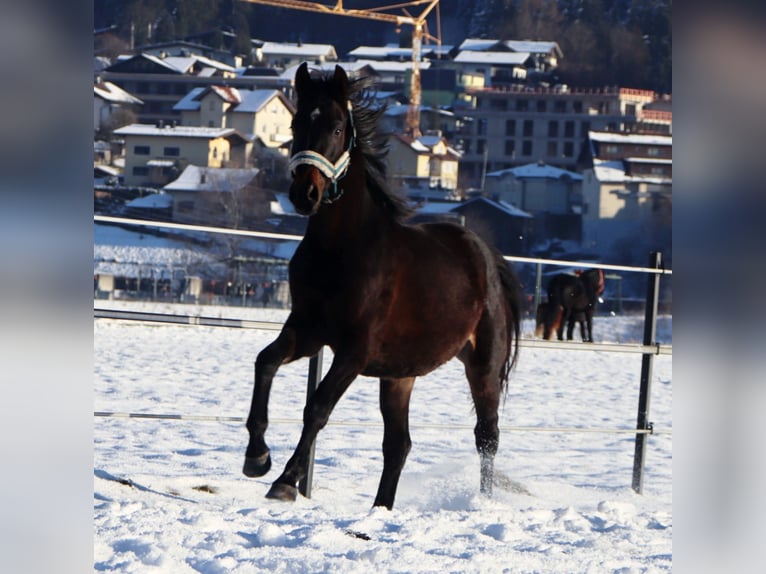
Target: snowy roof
478, 44
614, 172
254, 100
501, 205
534, 47
152, 201
380, 52
177, 131
113, 93
244, 100
184, 63
206, 179
536, 170
492, 58
609, 137
302, 49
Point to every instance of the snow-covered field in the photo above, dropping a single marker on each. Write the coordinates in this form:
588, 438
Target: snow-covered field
169, 495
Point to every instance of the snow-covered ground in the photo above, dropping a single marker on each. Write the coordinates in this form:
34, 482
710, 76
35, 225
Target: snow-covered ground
169, 495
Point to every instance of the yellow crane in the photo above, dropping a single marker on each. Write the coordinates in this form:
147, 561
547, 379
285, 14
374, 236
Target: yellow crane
384, 14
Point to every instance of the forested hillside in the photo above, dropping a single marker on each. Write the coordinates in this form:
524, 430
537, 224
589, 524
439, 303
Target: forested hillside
605, 42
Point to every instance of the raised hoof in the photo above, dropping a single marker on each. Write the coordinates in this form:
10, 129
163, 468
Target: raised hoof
281, 491
257, 465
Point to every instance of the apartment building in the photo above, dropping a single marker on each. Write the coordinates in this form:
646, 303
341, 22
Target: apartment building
516, 125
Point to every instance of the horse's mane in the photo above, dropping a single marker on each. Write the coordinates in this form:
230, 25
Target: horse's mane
373, 146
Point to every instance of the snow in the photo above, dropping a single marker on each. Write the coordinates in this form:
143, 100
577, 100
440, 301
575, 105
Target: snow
169, 495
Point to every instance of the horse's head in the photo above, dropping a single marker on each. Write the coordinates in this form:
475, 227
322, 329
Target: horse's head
323, 136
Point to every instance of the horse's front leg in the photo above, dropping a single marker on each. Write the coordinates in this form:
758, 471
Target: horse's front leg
285, 348
344, 369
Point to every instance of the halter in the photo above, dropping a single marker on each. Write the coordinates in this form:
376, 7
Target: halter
333, 171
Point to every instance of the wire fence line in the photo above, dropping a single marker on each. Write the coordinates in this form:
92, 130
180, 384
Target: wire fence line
177, 319
291, 237
432, 426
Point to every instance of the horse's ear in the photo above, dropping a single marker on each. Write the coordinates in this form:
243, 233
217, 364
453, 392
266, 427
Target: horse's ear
341, 80
302, 79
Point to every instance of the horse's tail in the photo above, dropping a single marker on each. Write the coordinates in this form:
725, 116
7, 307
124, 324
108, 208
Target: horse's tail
513, 296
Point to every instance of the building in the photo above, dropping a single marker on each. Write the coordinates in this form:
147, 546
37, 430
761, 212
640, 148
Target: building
218, 196
426, 162
263, 114
553, 195
518, 125
161, 82
627, 194
156, 155
109, 103
285, 55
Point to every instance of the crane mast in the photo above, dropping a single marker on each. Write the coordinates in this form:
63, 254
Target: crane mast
383, 14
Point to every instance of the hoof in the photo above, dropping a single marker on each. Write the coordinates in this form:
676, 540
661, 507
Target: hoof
257, 465
282, 491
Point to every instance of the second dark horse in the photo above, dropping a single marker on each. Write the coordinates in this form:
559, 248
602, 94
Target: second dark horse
392, 300
574, 297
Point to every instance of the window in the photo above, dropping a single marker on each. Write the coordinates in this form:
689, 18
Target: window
510, 148
522, 105
653, 151
172, 151
612, 149
552, 149
560, 106
528, 128
553, 129
569, 130
568, 149
584, 129
481, 127
526, 147
577, 106
141, 150
510, 127
541, 107
140, 170
497, 104
481, 146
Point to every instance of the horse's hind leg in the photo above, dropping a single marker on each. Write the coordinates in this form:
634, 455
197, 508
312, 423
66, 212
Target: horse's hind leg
483, 371
395, 407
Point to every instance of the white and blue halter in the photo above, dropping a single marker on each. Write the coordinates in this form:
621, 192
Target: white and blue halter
333, 171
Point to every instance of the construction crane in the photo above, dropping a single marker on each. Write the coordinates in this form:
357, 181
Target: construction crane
384, 14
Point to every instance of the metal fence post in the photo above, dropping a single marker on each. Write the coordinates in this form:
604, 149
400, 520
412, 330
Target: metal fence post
315, 375
647, 361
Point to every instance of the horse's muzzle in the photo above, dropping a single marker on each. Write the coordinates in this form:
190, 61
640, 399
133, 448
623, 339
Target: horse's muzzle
307, 189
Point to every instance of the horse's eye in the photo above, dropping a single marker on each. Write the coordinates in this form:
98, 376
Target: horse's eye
337, 131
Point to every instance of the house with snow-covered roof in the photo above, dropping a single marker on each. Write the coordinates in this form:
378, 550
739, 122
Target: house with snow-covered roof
285, 54
537, 188
155, 155
262, 114
109, 100
217, 196
627, 190
553, 195
425, 162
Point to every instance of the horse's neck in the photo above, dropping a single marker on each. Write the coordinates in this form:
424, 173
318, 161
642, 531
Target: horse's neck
349, 219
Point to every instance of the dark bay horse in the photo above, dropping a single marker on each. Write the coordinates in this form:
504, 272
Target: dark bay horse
392, 300
575, 297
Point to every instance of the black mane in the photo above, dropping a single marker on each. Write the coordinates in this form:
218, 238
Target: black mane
373, 145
